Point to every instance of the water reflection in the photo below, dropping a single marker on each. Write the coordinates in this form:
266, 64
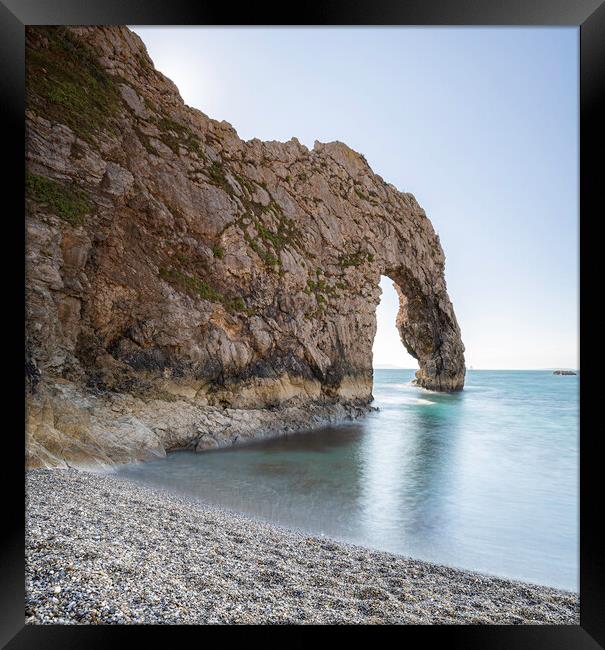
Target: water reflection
407, 469
485, 479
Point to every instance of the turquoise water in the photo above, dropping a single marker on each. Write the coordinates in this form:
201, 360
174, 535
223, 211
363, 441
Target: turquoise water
486, 479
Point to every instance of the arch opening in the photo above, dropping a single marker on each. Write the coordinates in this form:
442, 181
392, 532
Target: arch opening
427, 329
388, 350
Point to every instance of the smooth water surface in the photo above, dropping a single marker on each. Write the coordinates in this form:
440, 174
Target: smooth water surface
485, 479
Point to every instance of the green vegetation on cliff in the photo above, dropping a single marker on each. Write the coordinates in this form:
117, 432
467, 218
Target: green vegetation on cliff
175, 135
355, 259
67, 201
198, 288
191, 285
66, 84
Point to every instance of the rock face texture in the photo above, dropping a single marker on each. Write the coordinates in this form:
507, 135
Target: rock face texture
180, 280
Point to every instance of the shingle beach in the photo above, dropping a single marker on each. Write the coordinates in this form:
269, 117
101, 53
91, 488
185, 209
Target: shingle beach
103, 550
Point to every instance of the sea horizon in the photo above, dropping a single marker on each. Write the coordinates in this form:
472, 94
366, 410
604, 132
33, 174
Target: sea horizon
387, 367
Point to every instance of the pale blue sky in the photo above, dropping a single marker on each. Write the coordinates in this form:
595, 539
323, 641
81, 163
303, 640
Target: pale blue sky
480, 124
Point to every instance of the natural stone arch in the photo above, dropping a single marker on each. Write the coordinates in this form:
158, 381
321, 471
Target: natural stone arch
398, 242
194, 272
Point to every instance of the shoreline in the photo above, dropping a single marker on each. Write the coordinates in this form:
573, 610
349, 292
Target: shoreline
70, 426
105, 550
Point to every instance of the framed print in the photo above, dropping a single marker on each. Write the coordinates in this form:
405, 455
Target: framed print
302, 316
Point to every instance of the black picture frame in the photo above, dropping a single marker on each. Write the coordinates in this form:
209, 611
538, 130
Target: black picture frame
588, 15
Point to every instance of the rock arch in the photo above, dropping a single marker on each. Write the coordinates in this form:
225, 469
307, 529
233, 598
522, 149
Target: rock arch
185, 263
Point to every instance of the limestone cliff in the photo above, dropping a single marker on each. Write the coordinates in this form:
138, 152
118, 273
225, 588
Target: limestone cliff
186, 288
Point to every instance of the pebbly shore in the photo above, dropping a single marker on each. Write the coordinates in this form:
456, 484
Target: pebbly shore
103, 550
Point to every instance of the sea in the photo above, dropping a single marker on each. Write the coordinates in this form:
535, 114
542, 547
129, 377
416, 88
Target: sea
486, 479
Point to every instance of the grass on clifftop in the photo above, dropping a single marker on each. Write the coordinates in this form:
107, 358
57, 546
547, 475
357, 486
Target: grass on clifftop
66, 83
68, 202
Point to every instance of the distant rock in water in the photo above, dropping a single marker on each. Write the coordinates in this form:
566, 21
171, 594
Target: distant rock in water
564, 372
183, 285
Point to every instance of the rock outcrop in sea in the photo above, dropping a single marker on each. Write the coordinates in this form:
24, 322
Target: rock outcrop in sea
186, 288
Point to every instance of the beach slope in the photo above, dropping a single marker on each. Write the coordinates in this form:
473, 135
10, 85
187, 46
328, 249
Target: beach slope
103, 550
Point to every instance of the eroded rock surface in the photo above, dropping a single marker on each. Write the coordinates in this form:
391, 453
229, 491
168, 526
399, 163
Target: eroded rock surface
176, 273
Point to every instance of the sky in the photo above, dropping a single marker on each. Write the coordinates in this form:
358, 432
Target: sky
479, 124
